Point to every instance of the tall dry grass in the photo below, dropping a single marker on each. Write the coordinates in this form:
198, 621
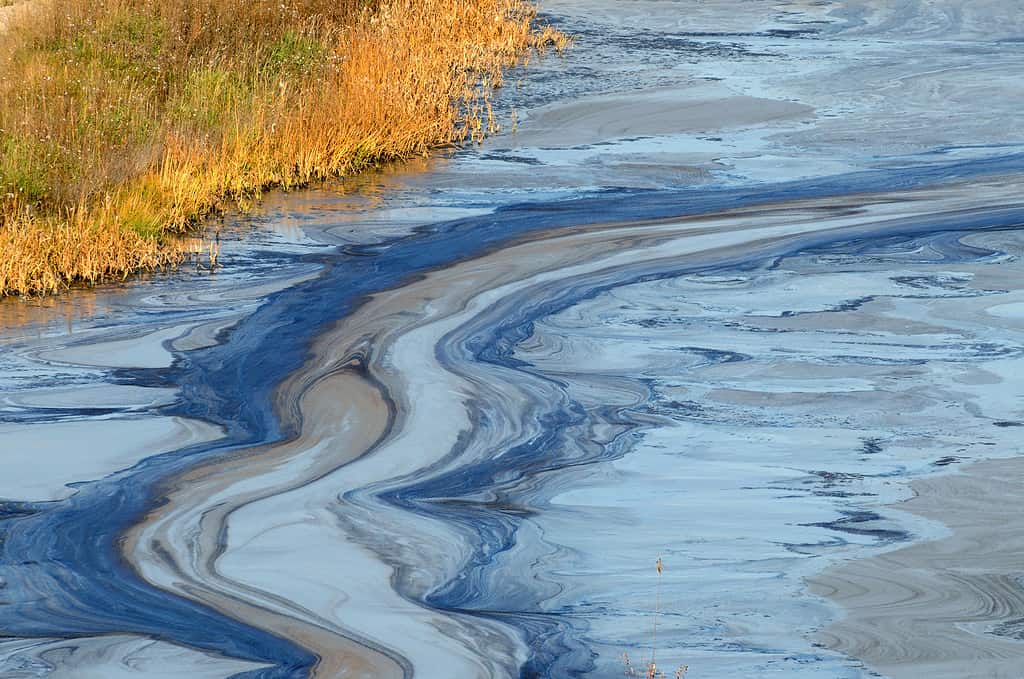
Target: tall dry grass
123, 122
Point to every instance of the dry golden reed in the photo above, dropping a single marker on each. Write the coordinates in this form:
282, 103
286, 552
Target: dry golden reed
123, 122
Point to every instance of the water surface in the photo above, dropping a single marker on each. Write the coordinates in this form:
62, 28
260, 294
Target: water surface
735, 278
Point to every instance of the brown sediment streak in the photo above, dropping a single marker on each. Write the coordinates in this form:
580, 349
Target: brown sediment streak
701, 108
365, 407
336, 403
947, 608
343, 412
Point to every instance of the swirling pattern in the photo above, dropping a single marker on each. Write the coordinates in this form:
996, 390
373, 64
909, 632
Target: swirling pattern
454, 445
950, 607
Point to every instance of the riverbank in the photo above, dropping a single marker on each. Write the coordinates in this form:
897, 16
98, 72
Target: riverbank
123, 124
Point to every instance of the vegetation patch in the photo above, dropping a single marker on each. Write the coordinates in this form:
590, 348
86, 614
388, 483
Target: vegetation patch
124, 122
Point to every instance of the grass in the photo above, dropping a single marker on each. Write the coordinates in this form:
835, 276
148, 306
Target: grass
125, 122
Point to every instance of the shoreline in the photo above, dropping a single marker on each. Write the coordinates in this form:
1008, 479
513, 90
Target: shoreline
951, 607
108, 164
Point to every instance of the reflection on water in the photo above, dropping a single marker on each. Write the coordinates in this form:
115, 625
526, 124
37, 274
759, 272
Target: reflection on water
56, 312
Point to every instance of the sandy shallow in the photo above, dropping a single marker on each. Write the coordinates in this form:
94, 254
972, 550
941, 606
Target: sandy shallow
946, 608
702, 108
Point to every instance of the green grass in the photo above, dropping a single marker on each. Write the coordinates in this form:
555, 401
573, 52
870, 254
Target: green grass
124, 122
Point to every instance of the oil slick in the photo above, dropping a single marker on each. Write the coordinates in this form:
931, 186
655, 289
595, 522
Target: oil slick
453, 444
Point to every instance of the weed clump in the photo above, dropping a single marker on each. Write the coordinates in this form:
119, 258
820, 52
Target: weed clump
124, 122
650, 670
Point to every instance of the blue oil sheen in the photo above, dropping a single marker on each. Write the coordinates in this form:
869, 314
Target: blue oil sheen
65, 577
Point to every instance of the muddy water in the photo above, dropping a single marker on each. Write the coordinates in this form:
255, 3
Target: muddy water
734, 280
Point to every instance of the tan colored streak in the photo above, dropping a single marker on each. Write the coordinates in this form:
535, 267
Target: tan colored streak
335, 403
930, 609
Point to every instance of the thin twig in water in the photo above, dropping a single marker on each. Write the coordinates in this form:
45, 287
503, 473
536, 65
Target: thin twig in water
652, 665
